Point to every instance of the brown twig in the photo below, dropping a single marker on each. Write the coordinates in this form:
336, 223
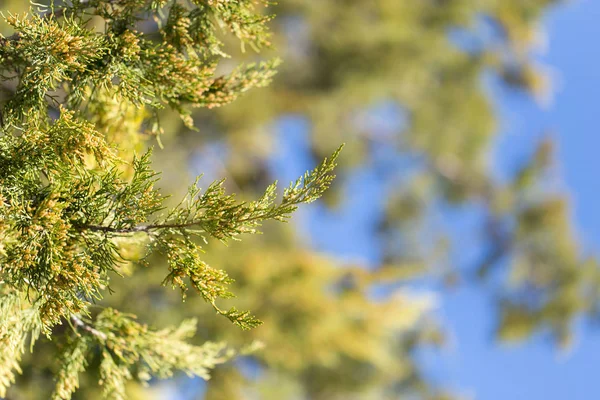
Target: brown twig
79, 324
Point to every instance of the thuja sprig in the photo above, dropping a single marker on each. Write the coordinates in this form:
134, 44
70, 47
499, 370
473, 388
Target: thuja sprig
212, 213
130, 350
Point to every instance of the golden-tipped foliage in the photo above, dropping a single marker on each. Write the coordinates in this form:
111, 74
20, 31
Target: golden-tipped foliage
69, 194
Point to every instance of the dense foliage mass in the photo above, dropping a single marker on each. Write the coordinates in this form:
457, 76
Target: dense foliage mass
70, 196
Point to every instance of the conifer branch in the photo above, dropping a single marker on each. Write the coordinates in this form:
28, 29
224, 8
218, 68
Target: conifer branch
68, 189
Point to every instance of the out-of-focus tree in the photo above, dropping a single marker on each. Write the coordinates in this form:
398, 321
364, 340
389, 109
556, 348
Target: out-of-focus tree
431, 69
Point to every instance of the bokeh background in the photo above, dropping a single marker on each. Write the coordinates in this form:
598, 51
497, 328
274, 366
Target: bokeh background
455, 255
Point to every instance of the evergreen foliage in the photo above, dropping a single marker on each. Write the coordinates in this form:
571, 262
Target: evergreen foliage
70, 194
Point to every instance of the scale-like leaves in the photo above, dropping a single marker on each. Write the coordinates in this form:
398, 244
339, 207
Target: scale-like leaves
72, 193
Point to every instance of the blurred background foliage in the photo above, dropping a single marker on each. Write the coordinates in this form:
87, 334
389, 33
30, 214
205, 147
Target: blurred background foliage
407, 85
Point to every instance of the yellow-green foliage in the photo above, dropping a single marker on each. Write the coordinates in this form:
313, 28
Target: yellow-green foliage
72, 189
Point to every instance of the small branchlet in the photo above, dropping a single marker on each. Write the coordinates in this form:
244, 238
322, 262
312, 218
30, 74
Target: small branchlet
130, 350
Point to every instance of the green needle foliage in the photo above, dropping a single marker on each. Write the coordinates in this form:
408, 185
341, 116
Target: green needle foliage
71, 192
